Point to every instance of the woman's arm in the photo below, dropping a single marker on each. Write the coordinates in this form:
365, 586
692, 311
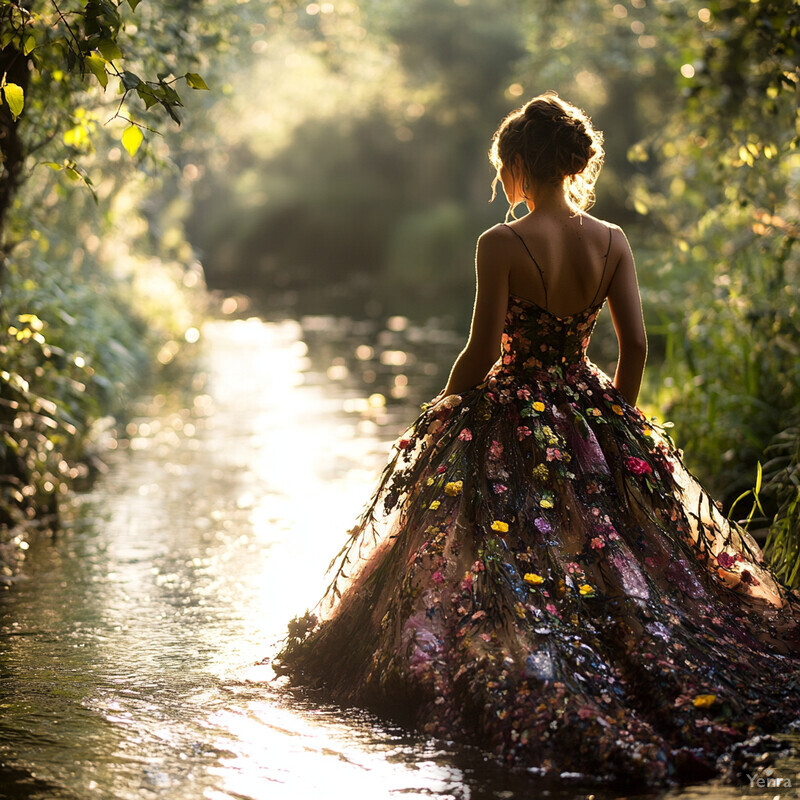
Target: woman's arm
625, 305
488, 315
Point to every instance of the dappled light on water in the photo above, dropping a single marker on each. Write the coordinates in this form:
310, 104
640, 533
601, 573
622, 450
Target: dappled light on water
130, 657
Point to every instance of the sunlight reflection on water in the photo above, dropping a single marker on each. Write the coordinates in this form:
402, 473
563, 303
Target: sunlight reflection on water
129, 657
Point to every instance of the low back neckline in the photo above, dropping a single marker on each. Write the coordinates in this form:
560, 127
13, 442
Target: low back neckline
561, 318
544, 308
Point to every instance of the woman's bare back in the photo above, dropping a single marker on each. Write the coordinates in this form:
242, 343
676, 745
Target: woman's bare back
564, 264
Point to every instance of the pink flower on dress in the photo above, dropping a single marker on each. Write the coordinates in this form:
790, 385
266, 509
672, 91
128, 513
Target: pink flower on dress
478, 567
438, 577
465, 435
523, 431
404, 443
551, 608
524, 393
638, 466
725, 560
499, 488
466, 584
554, 454
507, 359
597, 543
495, 450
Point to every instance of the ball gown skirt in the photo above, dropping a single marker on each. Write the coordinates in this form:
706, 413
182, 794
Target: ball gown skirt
538, 573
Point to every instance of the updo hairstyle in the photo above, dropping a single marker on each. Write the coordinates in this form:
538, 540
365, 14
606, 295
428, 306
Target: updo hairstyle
555, 141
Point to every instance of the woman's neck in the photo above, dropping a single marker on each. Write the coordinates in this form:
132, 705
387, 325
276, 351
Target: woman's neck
548, 198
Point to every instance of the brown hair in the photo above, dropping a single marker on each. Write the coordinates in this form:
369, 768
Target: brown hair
555, 141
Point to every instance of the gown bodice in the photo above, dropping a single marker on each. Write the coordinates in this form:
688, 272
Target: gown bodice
535, 339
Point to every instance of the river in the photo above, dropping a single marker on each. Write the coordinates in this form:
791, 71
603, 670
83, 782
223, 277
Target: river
130, 646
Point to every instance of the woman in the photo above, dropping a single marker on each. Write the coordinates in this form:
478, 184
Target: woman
537, 572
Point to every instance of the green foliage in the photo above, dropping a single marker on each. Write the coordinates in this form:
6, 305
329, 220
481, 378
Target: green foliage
62, 44
783, 485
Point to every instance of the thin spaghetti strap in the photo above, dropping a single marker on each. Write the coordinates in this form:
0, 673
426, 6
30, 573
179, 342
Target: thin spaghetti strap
605, 264
541, 274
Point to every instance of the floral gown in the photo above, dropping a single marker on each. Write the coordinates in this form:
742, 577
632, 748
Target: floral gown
538, 573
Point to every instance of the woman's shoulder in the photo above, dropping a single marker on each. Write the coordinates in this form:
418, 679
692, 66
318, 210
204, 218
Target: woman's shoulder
602, 223
496, 238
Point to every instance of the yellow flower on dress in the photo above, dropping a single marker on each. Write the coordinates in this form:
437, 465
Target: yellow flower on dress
533, 579
541, 472
586, 589
538, 406
647, 430
500, 526
617, 409
434, 505
546, 502
453, 488
595, 412
704, 700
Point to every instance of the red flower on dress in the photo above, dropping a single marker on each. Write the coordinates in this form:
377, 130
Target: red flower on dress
638, 466
404, 443
725, 560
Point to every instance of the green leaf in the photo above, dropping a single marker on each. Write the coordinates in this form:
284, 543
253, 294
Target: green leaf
133, 4
758, 478
130, 80
109, 49
131, 139
97, 64
147, 95
15, 97
195, 81
29, 45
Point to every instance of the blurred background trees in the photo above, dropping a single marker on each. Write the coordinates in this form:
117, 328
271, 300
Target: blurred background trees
339, 165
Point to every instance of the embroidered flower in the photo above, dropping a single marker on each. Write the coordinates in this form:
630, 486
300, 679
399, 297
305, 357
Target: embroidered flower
637, 466
434, 505
704, 700
478, 566
540, 472
546, 502
466, 584
595, 412
533, 579
404, 443
748, 577
538, 406
551, 608
554, 454
453, 488
586, 590
524, 393
500, 526
617, 409
495, 450
597, 542
725, 560
523, 431
499, 488
465, 435
438, 577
